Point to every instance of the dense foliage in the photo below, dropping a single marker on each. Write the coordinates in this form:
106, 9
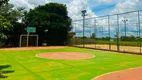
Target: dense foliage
93, 35
52, 23
129, 38
10, 28
3, 2
5, 25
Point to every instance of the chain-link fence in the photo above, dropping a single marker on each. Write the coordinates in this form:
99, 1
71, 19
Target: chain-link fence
118, 32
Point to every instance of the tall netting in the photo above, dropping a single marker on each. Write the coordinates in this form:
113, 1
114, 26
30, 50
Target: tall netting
102, 33
118, 32
78, 29
113, 31
129, 32
89, 33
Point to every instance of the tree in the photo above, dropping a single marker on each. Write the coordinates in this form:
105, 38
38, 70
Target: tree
5, 25
11, 15
54, 18
3, 2
84, 37
107, 38
128, 38
93, 35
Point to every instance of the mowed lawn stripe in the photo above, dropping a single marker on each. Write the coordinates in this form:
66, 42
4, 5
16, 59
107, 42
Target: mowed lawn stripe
50, 69
35, 61
27, 69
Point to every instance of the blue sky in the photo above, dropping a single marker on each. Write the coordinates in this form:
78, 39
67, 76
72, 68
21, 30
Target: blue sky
94, 8
103, 9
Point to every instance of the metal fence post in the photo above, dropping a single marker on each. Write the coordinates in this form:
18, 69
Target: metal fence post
83, 30
83, 15
117, 33
37, 40
95, 31
20, 44
139, 30
75, 35
109, 32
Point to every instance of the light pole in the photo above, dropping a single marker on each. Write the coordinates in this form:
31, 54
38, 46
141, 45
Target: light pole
83, 15
125, 21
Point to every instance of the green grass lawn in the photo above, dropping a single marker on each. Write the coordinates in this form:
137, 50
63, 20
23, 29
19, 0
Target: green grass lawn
27, 66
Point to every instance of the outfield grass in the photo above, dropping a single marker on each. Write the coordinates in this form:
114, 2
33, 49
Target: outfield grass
27, 66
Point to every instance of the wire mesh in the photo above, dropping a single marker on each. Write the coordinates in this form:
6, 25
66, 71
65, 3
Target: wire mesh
118, 32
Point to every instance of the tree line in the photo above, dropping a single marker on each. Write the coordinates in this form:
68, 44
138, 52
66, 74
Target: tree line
122, 38
52, 17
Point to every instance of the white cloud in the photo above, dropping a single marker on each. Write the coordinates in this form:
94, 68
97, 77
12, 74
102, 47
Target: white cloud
76, 6
126, 6
21, 3
105, 1
37, 2
28, 4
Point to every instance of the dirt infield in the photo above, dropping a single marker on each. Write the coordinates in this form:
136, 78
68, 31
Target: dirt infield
65, 55
130, 74
32, 48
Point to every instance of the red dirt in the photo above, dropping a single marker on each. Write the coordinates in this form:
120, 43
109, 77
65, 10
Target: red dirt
65, 55
32, 48
130, 74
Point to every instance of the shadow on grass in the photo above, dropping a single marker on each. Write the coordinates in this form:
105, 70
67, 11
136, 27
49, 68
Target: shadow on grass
3, 71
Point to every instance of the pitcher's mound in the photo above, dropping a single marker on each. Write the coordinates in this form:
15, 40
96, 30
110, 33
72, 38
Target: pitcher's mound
65, 55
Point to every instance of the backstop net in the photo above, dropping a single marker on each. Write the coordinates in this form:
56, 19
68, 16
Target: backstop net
118, 32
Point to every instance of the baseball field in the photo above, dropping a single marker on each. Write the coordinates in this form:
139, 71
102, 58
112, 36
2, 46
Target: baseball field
67, 63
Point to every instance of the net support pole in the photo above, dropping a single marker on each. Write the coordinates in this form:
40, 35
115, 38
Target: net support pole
139, 25
117, 33
37, 40
83, 29
20, 41
75, 34
95, 31
28, 39
109, 32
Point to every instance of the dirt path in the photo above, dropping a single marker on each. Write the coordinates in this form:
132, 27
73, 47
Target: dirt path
33, 48
130, 74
